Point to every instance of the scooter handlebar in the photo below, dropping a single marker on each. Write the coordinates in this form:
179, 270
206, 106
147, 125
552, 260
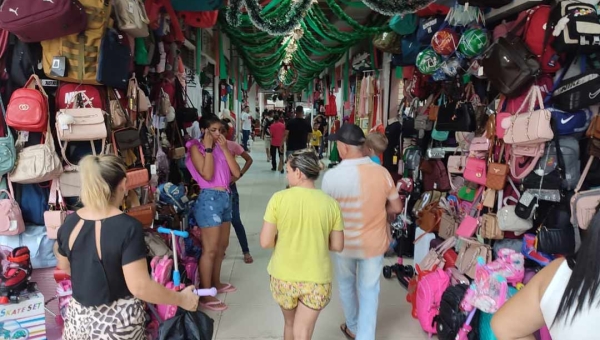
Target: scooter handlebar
206, 292
179, 233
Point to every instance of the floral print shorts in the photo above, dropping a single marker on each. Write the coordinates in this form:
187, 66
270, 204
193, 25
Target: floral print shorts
313, 295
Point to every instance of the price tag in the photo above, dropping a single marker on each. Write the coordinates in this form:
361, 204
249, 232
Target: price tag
395, 160
153, 169
24, 136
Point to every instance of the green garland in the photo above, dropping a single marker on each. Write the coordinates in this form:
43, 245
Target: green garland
284, 26
396, 7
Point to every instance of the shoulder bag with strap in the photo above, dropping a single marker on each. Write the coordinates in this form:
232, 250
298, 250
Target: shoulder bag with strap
80, 124
8, 153
584, 203
36, 163
11, 219
55, 216
132, 17
532, 127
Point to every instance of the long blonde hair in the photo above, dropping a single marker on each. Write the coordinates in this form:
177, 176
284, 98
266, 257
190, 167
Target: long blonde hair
100, 177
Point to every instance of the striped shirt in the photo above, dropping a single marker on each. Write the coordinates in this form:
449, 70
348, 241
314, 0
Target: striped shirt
362, 189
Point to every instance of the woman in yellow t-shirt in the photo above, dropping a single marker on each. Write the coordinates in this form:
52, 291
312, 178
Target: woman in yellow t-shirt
303, 224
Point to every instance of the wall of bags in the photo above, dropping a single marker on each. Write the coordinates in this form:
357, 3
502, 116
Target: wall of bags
112, 80
500, 135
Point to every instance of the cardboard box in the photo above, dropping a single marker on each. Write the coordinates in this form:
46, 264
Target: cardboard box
24, 320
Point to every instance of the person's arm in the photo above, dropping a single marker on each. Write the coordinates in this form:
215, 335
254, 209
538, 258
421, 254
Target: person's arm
203, 164
268, 235
394, 202
336, 237
310, 133
248, 163
62, 262
521, 315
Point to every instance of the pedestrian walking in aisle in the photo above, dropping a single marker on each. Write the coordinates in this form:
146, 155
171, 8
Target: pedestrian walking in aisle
297, 132
367, 194
246, 127
236, 219
211, 164
266, 134
303, 224
277, 130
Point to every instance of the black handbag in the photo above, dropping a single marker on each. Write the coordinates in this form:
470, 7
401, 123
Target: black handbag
127, 138
186, 112
456, 116
556, 240
509, 65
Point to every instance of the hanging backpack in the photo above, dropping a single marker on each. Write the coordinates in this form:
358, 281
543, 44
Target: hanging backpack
114, 60
8, 153
538, 37
28, 107
404, 24
452, 317
78, 53
429, 296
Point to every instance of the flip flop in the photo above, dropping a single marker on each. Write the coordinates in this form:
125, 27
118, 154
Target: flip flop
248, 258
212, 306
346, 331
229, 288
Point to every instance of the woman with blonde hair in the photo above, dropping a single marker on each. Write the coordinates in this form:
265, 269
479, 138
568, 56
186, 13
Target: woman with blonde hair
303, 224
104, 251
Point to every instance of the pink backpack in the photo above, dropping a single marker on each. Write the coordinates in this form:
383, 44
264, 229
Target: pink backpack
168, 311
429, 294
161, 269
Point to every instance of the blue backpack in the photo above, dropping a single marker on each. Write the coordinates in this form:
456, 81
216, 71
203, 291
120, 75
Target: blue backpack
173, 194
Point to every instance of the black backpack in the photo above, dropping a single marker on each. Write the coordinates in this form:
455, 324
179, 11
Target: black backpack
451, 317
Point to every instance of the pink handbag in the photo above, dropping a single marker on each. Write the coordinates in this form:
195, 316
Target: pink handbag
479, 144
11, 219
532, 127
584, 203
529, 155
457, 164
53, 218
476, 170
467, 227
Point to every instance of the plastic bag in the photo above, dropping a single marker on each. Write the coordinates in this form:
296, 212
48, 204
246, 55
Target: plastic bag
187, 326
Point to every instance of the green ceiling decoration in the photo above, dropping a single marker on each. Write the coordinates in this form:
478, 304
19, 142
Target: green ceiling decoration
308, 48
397, 7
278, 25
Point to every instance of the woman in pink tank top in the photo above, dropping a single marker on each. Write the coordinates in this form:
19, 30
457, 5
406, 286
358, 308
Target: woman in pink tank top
212, 164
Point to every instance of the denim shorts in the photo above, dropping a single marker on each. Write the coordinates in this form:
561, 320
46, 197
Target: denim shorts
212, 208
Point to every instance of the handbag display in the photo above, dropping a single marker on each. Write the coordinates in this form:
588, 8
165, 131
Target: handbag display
422, 122
489, 227
132, 17
524, 158
28, 107
559, 240
118, 116
456, 116
475, 170
457, 164
429, 218
532, 127
8, 153
448, 226
435, 258
36, 163
138, 101
584, 203
55, 216
80, 124
70, 184
509, 221
509, 65
468, 253
497, 173
144, 214
11, 219
125, 139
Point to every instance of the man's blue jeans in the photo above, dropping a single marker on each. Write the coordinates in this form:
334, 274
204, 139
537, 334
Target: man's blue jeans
358, 281
245, 139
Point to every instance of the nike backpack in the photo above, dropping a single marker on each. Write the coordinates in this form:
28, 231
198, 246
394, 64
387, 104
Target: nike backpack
452, 317
79, 53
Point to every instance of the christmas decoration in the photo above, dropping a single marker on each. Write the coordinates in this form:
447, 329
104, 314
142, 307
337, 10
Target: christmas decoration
290, 21
396, 7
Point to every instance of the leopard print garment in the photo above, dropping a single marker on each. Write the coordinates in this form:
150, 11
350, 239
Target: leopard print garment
123, 319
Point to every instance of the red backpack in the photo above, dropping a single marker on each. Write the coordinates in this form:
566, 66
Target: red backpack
66, 93
28, 107
539, 41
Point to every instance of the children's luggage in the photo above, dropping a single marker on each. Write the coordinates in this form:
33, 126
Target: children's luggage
452, 316
429, 295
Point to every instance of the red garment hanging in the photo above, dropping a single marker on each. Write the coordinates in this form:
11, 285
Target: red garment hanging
331, 107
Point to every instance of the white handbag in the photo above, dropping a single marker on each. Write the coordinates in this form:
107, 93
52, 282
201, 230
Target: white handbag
509, 221
36, 163
70, 184
132, 17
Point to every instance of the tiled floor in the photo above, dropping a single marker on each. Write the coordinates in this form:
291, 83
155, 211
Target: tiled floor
252, 313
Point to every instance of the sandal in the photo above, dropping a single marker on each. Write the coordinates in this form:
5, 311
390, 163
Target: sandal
248, 258
212, 306
346, 331
229, 288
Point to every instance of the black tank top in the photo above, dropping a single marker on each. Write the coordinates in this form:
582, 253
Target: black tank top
100, 282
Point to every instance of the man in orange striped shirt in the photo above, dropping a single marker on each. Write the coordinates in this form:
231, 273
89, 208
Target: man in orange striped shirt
366, 194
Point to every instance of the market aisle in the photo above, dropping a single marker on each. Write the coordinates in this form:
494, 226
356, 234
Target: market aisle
252, 313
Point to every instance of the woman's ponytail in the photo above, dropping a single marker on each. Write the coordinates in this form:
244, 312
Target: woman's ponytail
100, 177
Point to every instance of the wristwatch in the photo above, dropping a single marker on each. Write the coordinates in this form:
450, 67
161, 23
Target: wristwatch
208, 150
